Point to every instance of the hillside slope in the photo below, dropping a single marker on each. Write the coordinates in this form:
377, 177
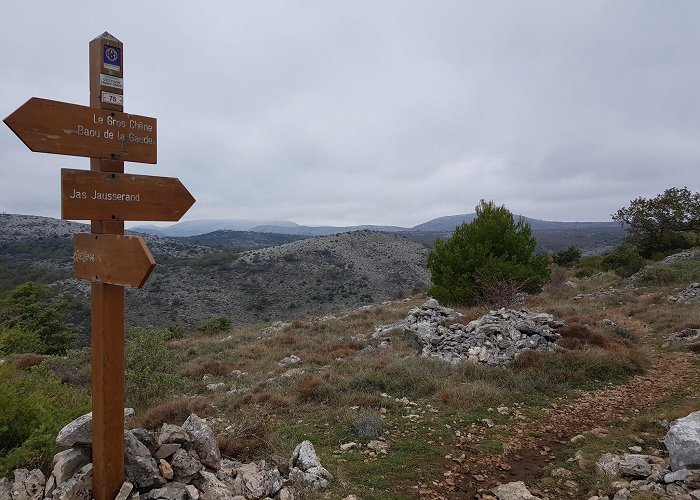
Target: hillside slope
309, 276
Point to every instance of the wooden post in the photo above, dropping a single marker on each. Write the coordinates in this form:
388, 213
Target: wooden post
107, 58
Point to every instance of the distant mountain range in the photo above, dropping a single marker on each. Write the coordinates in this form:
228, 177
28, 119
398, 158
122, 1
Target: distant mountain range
552, 236
445, 224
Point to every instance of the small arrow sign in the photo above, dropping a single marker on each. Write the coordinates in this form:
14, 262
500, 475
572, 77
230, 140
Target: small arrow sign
112, 259
93, 195
47, 126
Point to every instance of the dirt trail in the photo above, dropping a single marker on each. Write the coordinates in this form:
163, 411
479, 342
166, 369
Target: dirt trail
524, 455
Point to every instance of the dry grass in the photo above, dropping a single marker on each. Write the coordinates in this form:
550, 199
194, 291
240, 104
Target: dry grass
26, 360
266, 399
199, 367
246, 440
580, 336
175, 411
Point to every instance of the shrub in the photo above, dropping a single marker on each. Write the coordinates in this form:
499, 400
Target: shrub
16, 340
624, 260
568, 257
313, 388
216, 325
34, 406
175, 411
246, 440
492, 249
369, 424
149, 364
199, 367
669, 221
26, 360
32, 319
658, 275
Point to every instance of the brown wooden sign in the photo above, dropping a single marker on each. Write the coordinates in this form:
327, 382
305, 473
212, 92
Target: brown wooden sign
47, 126
115, 196
111, 258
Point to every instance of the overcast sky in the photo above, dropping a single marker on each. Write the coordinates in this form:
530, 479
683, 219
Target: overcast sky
382, 112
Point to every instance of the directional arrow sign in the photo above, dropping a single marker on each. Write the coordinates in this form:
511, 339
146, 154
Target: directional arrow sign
69, 129
111, 196
112, 259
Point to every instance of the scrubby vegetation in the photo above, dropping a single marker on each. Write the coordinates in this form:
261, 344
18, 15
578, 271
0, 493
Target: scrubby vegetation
268, 386
487, 258
667, 222
31, 320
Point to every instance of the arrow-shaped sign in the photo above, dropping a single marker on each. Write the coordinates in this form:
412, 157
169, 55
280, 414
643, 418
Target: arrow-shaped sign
69, 129
111, 258
111, 196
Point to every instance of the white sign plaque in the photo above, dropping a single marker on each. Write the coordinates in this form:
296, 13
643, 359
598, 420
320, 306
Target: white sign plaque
111, 81
110, 98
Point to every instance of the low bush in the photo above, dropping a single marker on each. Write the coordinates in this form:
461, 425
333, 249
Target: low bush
369, 424
313, 388
269, 399
34, 406
199, 367
74, 368
580, 336
149, 367
26, 360
568, 257
172, 412
246, 440
658, 275
216, 325
624, 261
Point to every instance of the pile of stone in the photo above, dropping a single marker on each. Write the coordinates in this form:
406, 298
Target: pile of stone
684, 255
691, 293
178, 463
686, 336
675, 476
494, 339
600, 294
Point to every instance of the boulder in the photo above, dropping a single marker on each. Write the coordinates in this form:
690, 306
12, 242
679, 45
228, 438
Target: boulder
185, 466
171, 491
608, 464
305, 467
513, 491
5, 489
254, 481
124, 491
28, 485
683, 442
172, 434
166, 450
140, 467
203, 441
148, 438
79, 487
634, 466
79, 431
212, 488
68, 462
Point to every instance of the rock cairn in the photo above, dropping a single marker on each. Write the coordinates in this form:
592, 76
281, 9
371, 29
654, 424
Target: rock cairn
178, 463
691, 293
494, 339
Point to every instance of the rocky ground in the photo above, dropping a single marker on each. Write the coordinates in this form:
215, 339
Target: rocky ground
528, 456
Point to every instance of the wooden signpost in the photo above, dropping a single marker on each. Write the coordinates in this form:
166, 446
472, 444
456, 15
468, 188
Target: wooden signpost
58, 127
107, 197
113, 259
113, 196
